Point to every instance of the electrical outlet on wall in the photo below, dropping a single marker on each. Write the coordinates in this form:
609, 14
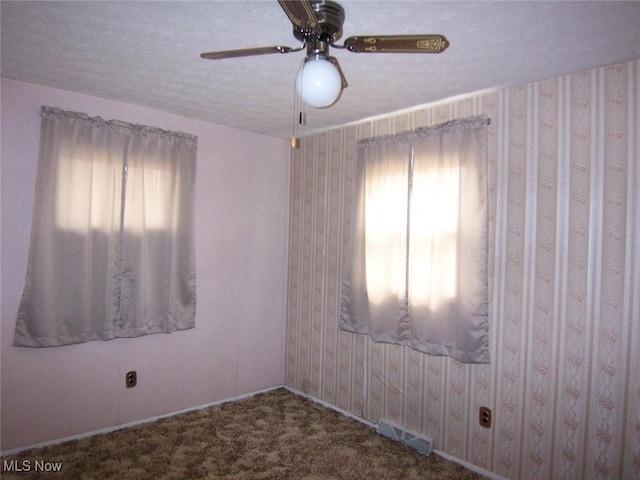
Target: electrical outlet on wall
131, 379
485, 417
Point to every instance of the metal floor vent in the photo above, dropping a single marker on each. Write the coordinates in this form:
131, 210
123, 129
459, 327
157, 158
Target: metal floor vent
411, 439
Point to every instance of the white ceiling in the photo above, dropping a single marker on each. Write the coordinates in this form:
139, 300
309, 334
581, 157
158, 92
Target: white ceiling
147, 53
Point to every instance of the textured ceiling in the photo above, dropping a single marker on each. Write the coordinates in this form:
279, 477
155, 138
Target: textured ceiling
147, 53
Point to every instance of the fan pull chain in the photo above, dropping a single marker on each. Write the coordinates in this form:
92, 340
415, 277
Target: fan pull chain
299, 115
294, 138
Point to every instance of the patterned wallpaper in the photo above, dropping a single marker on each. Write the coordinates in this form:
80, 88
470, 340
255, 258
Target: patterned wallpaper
564, 378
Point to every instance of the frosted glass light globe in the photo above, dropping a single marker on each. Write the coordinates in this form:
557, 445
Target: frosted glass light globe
318, 82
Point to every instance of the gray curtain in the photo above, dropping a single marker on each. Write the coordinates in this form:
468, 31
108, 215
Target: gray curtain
416, 271
112, 239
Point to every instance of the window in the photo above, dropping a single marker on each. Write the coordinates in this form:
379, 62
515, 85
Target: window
416, 273
431, 240
100, 196
112, 244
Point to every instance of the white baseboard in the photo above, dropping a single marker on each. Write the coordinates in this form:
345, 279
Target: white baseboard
468, 465
332, 407
134, 423
471, 466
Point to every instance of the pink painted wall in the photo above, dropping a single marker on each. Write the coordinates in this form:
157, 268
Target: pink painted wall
241, 245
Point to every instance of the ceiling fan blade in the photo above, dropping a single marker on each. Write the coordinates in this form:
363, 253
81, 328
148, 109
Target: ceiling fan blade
334, 60
397, 43
301, 14
245, 52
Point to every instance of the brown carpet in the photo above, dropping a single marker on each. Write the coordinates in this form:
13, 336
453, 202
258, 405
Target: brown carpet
272, 435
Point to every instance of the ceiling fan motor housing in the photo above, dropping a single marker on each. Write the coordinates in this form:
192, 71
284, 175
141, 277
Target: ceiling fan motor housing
318, 25
330, 16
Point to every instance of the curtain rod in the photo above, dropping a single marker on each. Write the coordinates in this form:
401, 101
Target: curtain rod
478, 121
60, 114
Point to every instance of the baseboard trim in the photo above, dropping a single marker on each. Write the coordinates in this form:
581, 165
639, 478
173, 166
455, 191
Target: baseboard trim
332, 407
80, 436
368, 423
468, 465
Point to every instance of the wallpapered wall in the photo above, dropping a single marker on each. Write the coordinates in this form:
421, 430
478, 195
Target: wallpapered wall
563, 381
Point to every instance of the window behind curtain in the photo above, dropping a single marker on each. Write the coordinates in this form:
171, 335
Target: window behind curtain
416, 273
112, 243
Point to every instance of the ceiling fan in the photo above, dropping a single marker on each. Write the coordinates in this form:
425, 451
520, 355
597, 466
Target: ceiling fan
318, 25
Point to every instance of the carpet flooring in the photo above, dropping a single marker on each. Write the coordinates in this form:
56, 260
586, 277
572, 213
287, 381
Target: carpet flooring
272, 435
